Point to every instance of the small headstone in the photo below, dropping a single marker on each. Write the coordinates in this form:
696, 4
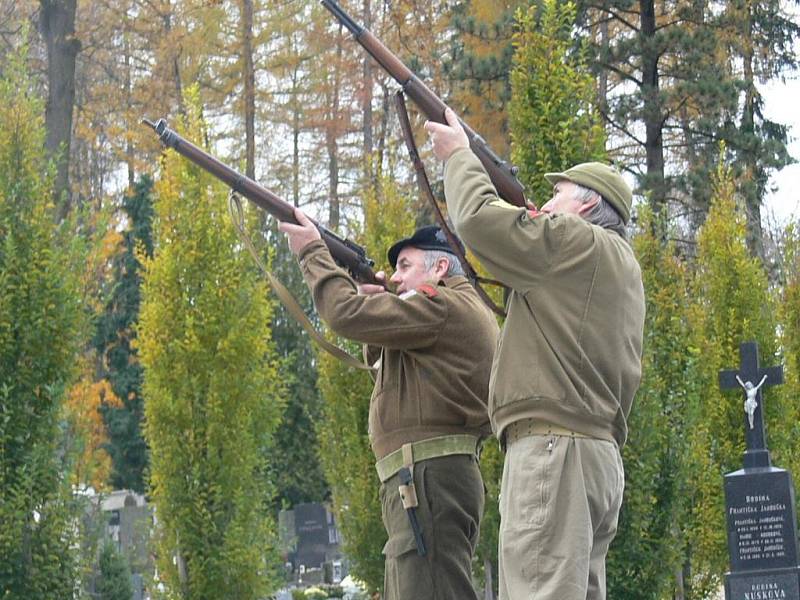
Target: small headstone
759, 499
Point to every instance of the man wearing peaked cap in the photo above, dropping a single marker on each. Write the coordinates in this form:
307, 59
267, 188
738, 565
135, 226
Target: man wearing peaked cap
430, 237
600, 178
567, 367
433, 344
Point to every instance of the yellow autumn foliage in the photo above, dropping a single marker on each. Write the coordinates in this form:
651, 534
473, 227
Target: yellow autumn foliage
83, 408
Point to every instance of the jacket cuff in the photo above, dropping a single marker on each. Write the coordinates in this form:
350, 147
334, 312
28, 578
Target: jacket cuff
454, 155
309, 249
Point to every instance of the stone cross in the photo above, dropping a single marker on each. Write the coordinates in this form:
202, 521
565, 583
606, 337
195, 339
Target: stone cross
751, 378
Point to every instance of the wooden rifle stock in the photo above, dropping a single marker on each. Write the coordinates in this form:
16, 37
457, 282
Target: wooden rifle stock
503, 175
346, 253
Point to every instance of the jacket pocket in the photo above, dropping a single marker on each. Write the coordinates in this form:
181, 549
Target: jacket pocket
399, 544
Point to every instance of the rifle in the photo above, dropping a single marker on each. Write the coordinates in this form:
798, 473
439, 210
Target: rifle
346, 253
503, 175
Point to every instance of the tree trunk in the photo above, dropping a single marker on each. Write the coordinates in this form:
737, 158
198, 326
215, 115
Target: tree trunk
754, 177
296, 150
296, 136
333, 179
679, 590
129, 155
57, 23
332, 142
174, 64
602, 77
249, 76
367, 97
652, 113
384, 125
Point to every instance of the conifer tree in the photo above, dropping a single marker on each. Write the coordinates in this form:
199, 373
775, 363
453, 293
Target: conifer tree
212, 392
115, 337
664, 90
41, 325
480, 64
759, 38
115, 575
678, 78
294, 461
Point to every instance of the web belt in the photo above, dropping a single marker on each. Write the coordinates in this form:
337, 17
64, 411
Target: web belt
423, 450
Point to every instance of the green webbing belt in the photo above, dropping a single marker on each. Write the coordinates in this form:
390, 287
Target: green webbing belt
283, 294
431, 448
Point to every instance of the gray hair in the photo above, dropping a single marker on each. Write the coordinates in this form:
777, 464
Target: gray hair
454, 268
601, 214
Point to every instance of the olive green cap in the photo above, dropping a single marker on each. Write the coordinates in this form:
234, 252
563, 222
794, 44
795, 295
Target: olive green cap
603, 179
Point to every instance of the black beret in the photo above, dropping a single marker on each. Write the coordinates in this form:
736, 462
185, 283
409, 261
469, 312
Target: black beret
430, 237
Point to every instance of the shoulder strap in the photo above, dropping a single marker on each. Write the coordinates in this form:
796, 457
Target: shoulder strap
284, 295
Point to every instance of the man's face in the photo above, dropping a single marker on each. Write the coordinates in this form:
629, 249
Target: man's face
566, 200
411, 272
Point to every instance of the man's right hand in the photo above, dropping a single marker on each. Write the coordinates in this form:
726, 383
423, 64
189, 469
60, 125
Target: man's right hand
300, 235
370, 288
447, 138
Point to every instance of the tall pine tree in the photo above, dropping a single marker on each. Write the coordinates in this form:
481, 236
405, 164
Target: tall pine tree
115, 337
293, 457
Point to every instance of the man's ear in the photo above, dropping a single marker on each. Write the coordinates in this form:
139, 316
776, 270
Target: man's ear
587, 206
442, 266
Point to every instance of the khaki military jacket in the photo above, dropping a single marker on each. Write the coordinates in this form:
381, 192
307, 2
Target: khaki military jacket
570, 349
435, 350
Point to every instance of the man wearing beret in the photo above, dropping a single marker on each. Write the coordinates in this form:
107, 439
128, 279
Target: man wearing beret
433, 344
567, 367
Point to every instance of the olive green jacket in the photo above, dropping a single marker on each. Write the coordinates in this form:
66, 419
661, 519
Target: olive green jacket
570, 349
436, 351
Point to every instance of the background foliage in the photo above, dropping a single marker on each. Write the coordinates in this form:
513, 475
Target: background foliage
292, 101
41, 328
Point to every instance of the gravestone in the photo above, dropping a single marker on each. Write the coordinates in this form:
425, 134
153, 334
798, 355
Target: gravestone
759, 499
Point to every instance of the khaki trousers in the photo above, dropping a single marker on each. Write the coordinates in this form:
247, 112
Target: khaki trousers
559, 502
451, 498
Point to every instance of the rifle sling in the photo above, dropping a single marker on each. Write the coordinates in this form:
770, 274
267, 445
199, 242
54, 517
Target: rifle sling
425, 187
284, 295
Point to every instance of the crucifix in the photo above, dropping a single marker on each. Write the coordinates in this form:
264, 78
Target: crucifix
751, 378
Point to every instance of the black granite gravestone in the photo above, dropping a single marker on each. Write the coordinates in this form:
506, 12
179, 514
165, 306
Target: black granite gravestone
759, 500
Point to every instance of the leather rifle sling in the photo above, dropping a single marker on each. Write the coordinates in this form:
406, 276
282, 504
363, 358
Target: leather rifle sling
427, 192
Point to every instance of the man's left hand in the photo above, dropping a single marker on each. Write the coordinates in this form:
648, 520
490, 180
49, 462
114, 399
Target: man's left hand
300, 235
367, 289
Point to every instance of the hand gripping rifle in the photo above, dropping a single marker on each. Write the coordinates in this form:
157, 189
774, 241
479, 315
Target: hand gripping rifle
346, 253
503, 175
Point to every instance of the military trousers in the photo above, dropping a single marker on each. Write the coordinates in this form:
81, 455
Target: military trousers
451, 498
559, 503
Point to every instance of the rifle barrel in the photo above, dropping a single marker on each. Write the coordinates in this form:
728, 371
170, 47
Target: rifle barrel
345, 252
343, 17
503, 175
